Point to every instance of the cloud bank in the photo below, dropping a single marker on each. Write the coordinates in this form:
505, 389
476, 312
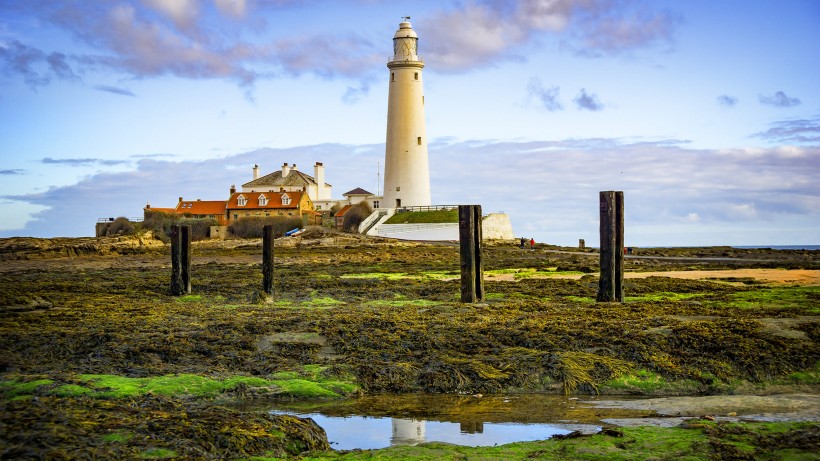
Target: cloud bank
226, 39
674, 195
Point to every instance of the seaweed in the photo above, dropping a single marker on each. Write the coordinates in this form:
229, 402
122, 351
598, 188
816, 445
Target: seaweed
402, 332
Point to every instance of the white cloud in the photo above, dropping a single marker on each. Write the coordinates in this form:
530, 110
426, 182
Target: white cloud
231, 7
744, 211
182, 12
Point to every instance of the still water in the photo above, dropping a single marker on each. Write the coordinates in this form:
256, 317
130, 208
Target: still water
380, 421
347, 433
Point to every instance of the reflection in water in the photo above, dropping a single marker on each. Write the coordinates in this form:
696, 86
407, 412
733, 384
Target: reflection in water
471, 427
407, 432
378, 421
351, 432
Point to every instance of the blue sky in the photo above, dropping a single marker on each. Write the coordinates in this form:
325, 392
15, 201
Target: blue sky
705, 113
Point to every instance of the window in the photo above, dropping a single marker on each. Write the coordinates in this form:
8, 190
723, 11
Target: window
241, 200
263, 200
375, 204
392, 77
235, 216
418, 140
285, 199
416, 76
398, 188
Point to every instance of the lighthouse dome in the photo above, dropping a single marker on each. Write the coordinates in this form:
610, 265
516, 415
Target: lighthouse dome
405, 31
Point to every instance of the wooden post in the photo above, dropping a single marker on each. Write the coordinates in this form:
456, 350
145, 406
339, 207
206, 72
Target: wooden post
180, 260
267, 259
472, 264
176, 256
185, 258
611, 284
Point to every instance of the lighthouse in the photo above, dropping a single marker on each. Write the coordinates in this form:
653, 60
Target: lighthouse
406, 169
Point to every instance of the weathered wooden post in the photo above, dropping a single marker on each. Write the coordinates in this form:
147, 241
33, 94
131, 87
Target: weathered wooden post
267, 259
185, 257
472, 264
180, 259
611, 284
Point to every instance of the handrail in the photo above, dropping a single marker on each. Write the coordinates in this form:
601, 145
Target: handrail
407, 209
403, 58
136, 219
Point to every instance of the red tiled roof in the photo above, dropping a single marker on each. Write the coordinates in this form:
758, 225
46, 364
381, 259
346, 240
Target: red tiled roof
160, 210
342, 212
201, 207
274, 200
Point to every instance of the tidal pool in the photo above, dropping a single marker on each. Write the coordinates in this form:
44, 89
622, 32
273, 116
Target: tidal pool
379, 421
350, 432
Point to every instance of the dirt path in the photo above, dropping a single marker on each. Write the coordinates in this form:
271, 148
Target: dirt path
793, 276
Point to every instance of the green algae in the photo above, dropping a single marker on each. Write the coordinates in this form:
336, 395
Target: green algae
799, 299
646, 382
15, 388
664, 296
311, 383
158, 453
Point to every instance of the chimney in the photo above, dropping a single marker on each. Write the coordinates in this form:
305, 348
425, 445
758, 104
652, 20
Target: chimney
180, 200
233, 189
147, 206
256, 172
285, 170
319, 176
293, 167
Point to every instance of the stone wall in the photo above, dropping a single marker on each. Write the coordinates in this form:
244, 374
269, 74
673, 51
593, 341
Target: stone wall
497, 226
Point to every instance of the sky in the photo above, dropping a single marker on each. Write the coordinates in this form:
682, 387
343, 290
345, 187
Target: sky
705, 113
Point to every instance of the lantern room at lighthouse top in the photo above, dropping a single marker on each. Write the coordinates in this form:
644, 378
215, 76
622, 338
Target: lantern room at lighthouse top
405, 43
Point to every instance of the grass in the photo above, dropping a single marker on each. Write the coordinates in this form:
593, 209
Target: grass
424, 217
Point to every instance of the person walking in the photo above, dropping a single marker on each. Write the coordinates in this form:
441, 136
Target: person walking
532, 244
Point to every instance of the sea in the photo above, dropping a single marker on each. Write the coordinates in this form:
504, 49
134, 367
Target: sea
780, 247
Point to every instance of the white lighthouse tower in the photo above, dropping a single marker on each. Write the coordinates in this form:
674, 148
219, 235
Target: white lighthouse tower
406, 169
